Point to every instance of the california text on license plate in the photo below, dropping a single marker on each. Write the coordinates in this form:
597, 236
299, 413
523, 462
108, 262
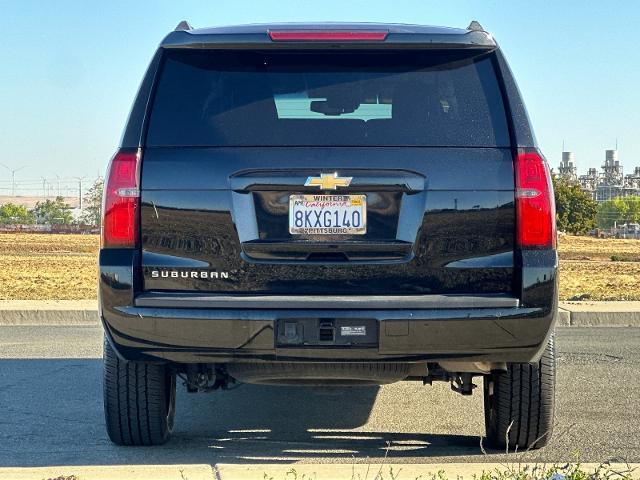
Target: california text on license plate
328, 214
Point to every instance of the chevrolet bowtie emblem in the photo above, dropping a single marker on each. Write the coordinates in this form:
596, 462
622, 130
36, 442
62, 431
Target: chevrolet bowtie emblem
328, 181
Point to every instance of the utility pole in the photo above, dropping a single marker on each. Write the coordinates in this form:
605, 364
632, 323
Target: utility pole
58, 177
13, 177
80, 179
44, 188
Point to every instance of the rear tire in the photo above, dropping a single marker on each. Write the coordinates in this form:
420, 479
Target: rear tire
519, 403
139, 400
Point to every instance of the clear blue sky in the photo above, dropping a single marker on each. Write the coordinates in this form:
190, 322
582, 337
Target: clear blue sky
70, 69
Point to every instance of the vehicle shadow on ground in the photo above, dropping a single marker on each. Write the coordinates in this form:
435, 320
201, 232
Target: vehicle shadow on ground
53, 416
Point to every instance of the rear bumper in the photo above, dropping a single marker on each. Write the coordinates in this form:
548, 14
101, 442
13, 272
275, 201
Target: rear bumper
192, 334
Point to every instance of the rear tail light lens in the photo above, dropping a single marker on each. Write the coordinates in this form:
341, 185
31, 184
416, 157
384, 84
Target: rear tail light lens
326, 36
121, 200
535, 205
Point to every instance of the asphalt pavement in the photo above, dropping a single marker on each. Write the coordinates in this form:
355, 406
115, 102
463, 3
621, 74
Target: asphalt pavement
51, 411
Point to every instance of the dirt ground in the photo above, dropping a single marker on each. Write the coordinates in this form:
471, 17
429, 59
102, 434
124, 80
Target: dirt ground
594, 249
48, 267
599, 269
63, 267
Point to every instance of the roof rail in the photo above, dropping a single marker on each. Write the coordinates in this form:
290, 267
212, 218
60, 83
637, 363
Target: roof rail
183, 25
475, 26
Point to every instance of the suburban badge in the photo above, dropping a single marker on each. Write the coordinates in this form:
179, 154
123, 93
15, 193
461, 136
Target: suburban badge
197, 274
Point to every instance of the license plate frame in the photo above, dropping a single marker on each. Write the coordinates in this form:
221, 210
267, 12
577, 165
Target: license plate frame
329, 214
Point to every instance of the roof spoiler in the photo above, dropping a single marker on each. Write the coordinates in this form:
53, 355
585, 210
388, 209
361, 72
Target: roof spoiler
183, 25
262, 35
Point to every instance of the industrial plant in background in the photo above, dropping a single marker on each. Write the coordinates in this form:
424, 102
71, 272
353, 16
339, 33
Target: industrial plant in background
607, 184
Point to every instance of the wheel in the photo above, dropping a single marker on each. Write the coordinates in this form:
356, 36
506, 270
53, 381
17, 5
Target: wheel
139, 400
519, 403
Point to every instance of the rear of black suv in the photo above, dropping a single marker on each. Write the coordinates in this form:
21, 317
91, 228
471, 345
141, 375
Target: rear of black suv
328, 205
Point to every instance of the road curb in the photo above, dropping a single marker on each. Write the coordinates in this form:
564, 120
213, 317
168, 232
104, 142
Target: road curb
49, 312
564, 318
453, 471
112, 472
85, 313
599, 314
283, 471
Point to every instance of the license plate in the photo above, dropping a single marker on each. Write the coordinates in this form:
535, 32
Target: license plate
328, 214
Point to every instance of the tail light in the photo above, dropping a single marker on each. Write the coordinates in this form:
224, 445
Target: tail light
121, 200
535, 205
326, 35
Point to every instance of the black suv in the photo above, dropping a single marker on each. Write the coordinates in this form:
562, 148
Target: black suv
328, 204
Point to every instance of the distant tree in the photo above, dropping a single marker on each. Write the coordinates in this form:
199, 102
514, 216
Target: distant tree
633, 203
92, 207
610, 212
52, 212
575, 210
10, 213
619, 211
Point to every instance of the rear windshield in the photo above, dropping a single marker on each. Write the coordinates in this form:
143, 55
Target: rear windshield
218, 98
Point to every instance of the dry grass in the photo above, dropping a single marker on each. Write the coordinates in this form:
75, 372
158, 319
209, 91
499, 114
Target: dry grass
599, 280
48, 267
594, 249
587, 272
63, 267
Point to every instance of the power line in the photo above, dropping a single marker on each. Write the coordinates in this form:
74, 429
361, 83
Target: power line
80, 179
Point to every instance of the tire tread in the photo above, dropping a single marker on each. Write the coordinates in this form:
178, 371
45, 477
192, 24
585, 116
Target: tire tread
520, 412
136, 405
